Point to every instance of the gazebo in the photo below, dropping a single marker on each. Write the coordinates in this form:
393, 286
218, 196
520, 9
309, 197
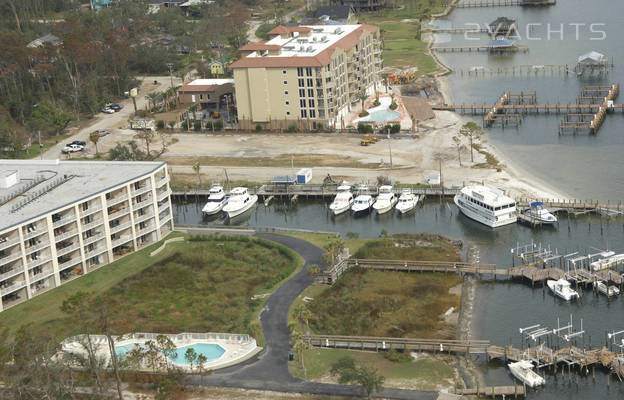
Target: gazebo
590, 62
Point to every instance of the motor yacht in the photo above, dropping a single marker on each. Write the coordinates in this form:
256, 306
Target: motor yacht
523, 370
538, 213
239, 201
343, 200
407, 201
385, 200
487, 205
216, 200
562, 288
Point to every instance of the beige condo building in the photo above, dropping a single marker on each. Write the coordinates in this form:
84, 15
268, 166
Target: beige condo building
61, 220
311, 73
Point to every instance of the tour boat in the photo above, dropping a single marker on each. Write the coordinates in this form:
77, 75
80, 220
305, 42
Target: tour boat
343, 200
362, 204
538, 213
386, 200
239, 201
216, 200
562, 289
487, 205
606, 289
607, 262
523, 370
407, 201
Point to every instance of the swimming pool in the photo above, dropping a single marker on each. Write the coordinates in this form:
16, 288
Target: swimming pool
211, 351
381, 116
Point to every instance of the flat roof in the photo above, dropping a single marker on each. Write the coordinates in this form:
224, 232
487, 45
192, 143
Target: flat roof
80, 179
490, 195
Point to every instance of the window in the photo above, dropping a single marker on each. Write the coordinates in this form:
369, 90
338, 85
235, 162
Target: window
287, 112
286, 92
301, 92
85, 206
285, 82
287, 102
311, 82
299, 71
304, 114
310, 92
201, 96
284, 71
309, 71
302, 103
311, 103
312, 113
301, 81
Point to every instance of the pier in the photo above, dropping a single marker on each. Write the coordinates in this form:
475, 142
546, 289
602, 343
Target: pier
488, 48
504, 3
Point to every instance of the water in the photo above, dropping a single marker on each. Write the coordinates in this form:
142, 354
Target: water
212, 351
501, 307
583, 166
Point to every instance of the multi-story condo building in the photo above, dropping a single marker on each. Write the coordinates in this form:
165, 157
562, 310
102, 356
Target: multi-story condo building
306, 73
60, 220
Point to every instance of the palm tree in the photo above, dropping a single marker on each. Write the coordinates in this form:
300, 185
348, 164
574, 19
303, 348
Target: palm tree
362, 96
303, 315
201, 364
298, 343
94, 137
196, 167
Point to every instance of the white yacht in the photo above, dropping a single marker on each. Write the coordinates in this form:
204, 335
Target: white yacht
407, 201
216, 200
607, 262
562, 289
386, 200
487, 205
539, 213
606, 289
362, 204
239, 201
523, 370
343, 200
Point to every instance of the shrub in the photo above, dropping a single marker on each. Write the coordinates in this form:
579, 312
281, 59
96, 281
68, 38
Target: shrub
364, 113
197, 125
396, 128
394, 105
160, 124
292, 128
376, 103
352, 235
218, 125
258, 128
171, 124
364, 128
397, 356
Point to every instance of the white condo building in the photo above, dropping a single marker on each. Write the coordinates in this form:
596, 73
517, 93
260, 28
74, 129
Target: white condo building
60, 220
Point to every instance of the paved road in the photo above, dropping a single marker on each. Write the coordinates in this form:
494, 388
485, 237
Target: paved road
269, 370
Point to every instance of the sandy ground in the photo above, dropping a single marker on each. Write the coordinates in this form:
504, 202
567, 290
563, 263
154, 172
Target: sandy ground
413, 157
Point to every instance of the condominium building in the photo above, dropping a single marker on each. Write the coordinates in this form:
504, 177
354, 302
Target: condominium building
64, 219
306, 73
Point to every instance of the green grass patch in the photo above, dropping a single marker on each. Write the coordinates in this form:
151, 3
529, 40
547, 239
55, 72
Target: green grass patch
203, 284
34, 151
490, 160
261, 32
426, 373
323, 239
421, 246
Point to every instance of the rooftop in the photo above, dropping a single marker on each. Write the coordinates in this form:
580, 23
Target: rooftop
302, 46
54, 184
592, 56
335, 12
203, 85
488, 194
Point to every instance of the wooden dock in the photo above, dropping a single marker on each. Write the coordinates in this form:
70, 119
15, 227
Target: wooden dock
504, 3
493, 391
491, 49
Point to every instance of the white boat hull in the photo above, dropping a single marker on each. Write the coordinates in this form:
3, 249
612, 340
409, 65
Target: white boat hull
233, 212
565, 293
384, 207
405, 207
337, 210
360, 211
472, 214
214, 208
526, 376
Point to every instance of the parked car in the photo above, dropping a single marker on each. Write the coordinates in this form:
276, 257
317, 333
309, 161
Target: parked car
79, 143
116, 107
107, 110
72, 148
102, 132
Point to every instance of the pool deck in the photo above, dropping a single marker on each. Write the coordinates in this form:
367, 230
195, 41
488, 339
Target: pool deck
385, 100
238, 348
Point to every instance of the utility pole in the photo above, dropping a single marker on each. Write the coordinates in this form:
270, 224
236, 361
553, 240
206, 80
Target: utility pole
40, 146
170, 66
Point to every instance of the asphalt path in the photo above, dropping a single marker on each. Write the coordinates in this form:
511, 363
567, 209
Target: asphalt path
269, 369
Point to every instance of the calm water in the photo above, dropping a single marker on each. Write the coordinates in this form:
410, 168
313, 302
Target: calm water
501, 307
583, 166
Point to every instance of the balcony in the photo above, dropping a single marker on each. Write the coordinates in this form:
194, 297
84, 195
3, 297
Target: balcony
330, 84
66, 219
352, 70
120, 227
90, 210
68, 249
163, 207
119, 213
65, 235
95, 252
35, 233
378, 60
377, 50
70, 263
116, 200
11, 273
93, 239
162, 182
143, 203
8, 243
164, 195
141, 190
10, 257
377, 42
44, 273
36, 247
143, 217
165, 220
12, 288
38, 262
121, 240
92, 224
145, 230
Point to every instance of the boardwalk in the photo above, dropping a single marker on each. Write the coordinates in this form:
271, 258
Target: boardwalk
503, 3
491, 49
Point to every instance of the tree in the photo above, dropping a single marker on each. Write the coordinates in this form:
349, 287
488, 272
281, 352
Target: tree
191, 357
147, 135
297, 340
369, 380
460, 146
362, 96
196, 168
94, 137
472, 131
48, 117
201, 366
303, 315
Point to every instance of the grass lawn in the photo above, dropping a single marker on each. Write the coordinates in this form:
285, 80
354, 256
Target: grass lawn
426, 373
323, 239
35, 151
196, 286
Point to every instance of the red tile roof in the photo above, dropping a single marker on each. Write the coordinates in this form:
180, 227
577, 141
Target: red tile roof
282, 30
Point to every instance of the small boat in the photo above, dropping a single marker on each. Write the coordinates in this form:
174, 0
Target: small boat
562, 289
216, 200
343, 200
606, 289
362, 204
386, 200
523, 370
239, 201
607, 262
407, 201
538, 213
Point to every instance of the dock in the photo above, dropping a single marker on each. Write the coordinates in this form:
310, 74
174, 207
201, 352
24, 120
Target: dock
504, 3
491, 49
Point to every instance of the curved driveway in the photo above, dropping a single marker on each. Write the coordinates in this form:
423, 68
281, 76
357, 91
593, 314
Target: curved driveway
269, 370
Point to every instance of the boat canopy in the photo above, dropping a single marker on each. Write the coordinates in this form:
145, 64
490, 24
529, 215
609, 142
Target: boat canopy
537, 204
